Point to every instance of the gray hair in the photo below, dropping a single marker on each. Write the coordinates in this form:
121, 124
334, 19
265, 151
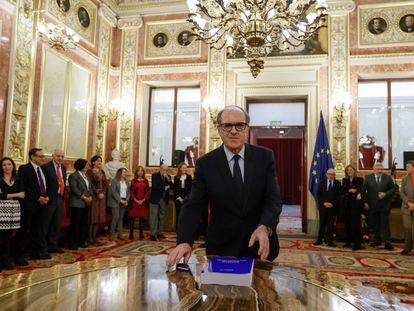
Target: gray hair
230, 107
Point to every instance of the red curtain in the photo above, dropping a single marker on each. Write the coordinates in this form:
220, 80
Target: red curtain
288, 157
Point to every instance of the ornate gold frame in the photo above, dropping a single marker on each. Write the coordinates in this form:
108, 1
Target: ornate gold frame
172, 49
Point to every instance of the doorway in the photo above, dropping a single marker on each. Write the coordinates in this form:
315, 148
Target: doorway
280, 126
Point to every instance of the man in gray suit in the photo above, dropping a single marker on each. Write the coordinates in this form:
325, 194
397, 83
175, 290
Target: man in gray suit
407, 207
377, 190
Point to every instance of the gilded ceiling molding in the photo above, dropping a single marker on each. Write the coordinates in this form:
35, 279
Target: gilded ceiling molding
8, 6
216, 90
21, 84
105, 39
339, 77
129, 49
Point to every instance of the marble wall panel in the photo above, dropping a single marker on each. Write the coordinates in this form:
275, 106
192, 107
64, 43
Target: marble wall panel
36, 98
6, 26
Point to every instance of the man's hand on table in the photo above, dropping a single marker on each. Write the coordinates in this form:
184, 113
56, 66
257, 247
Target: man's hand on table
182, 250
261, 235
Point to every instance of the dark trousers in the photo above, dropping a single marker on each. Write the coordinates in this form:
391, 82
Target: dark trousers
49, 224
29, 223
326, 222
379, 224
353, 223
5, 241
177, 213
78, 228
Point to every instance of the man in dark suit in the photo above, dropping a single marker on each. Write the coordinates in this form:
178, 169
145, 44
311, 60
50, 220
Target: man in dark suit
160, 184
238, 181
328, 194
377, 190
56, 172
35, 185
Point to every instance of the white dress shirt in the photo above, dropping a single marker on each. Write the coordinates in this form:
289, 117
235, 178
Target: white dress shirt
35, 166
123, 189
230, 159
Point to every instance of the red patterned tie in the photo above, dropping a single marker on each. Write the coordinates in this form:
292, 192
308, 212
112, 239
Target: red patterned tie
60, 181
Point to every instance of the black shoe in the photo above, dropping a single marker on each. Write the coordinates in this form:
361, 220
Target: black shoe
56, 250
389, 247
83, 245
7, 265
404, 252
21, 262
347, 245
317, 243
374, 244
357, 247
73, 247
153, 238
331, 244
161, 236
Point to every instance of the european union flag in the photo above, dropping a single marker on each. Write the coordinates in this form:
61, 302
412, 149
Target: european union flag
321, 160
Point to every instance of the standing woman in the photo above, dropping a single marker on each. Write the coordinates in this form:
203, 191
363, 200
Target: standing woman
351, 186
118, 202
182, 187
140, 192
80, 201
407, 207
98, 208
11, 192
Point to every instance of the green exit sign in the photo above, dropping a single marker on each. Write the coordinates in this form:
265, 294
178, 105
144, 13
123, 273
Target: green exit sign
275, 123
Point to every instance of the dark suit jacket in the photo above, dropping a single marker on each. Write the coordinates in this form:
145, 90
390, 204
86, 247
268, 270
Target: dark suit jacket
50, 169
232, 220
78, 188
371, 188
28, 176
182, 192
158, 188
356, 183
332, 196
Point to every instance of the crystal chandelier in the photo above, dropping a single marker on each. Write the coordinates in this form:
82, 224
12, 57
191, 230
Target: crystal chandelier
59, 36
255, 27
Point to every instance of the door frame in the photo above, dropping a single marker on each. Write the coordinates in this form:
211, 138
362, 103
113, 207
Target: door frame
304, 184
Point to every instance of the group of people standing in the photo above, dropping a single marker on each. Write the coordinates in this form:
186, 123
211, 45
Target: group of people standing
370, 196
32, 198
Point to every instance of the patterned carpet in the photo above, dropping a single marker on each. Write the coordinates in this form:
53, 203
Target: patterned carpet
379, 279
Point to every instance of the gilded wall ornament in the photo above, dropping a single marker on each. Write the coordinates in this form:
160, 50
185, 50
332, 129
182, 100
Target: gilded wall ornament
81, 17
388, 24
64, 5
170, 39
21, 85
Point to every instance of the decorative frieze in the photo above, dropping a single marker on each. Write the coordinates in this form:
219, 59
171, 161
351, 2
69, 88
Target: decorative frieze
128, 88
21, 86
339, 75
216, 93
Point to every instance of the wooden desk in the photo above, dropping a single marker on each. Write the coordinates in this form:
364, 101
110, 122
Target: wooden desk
142, 283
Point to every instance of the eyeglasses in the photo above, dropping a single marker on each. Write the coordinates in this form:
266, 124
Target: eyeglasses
227, 127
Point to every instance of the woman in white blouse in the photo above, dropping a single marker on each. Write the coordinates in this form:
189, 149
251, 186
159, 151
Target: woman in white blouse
118, 202
182, 187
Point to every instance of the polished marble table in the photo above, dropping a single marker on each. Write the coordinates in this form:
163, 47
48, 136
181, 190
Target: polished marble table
142, 283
